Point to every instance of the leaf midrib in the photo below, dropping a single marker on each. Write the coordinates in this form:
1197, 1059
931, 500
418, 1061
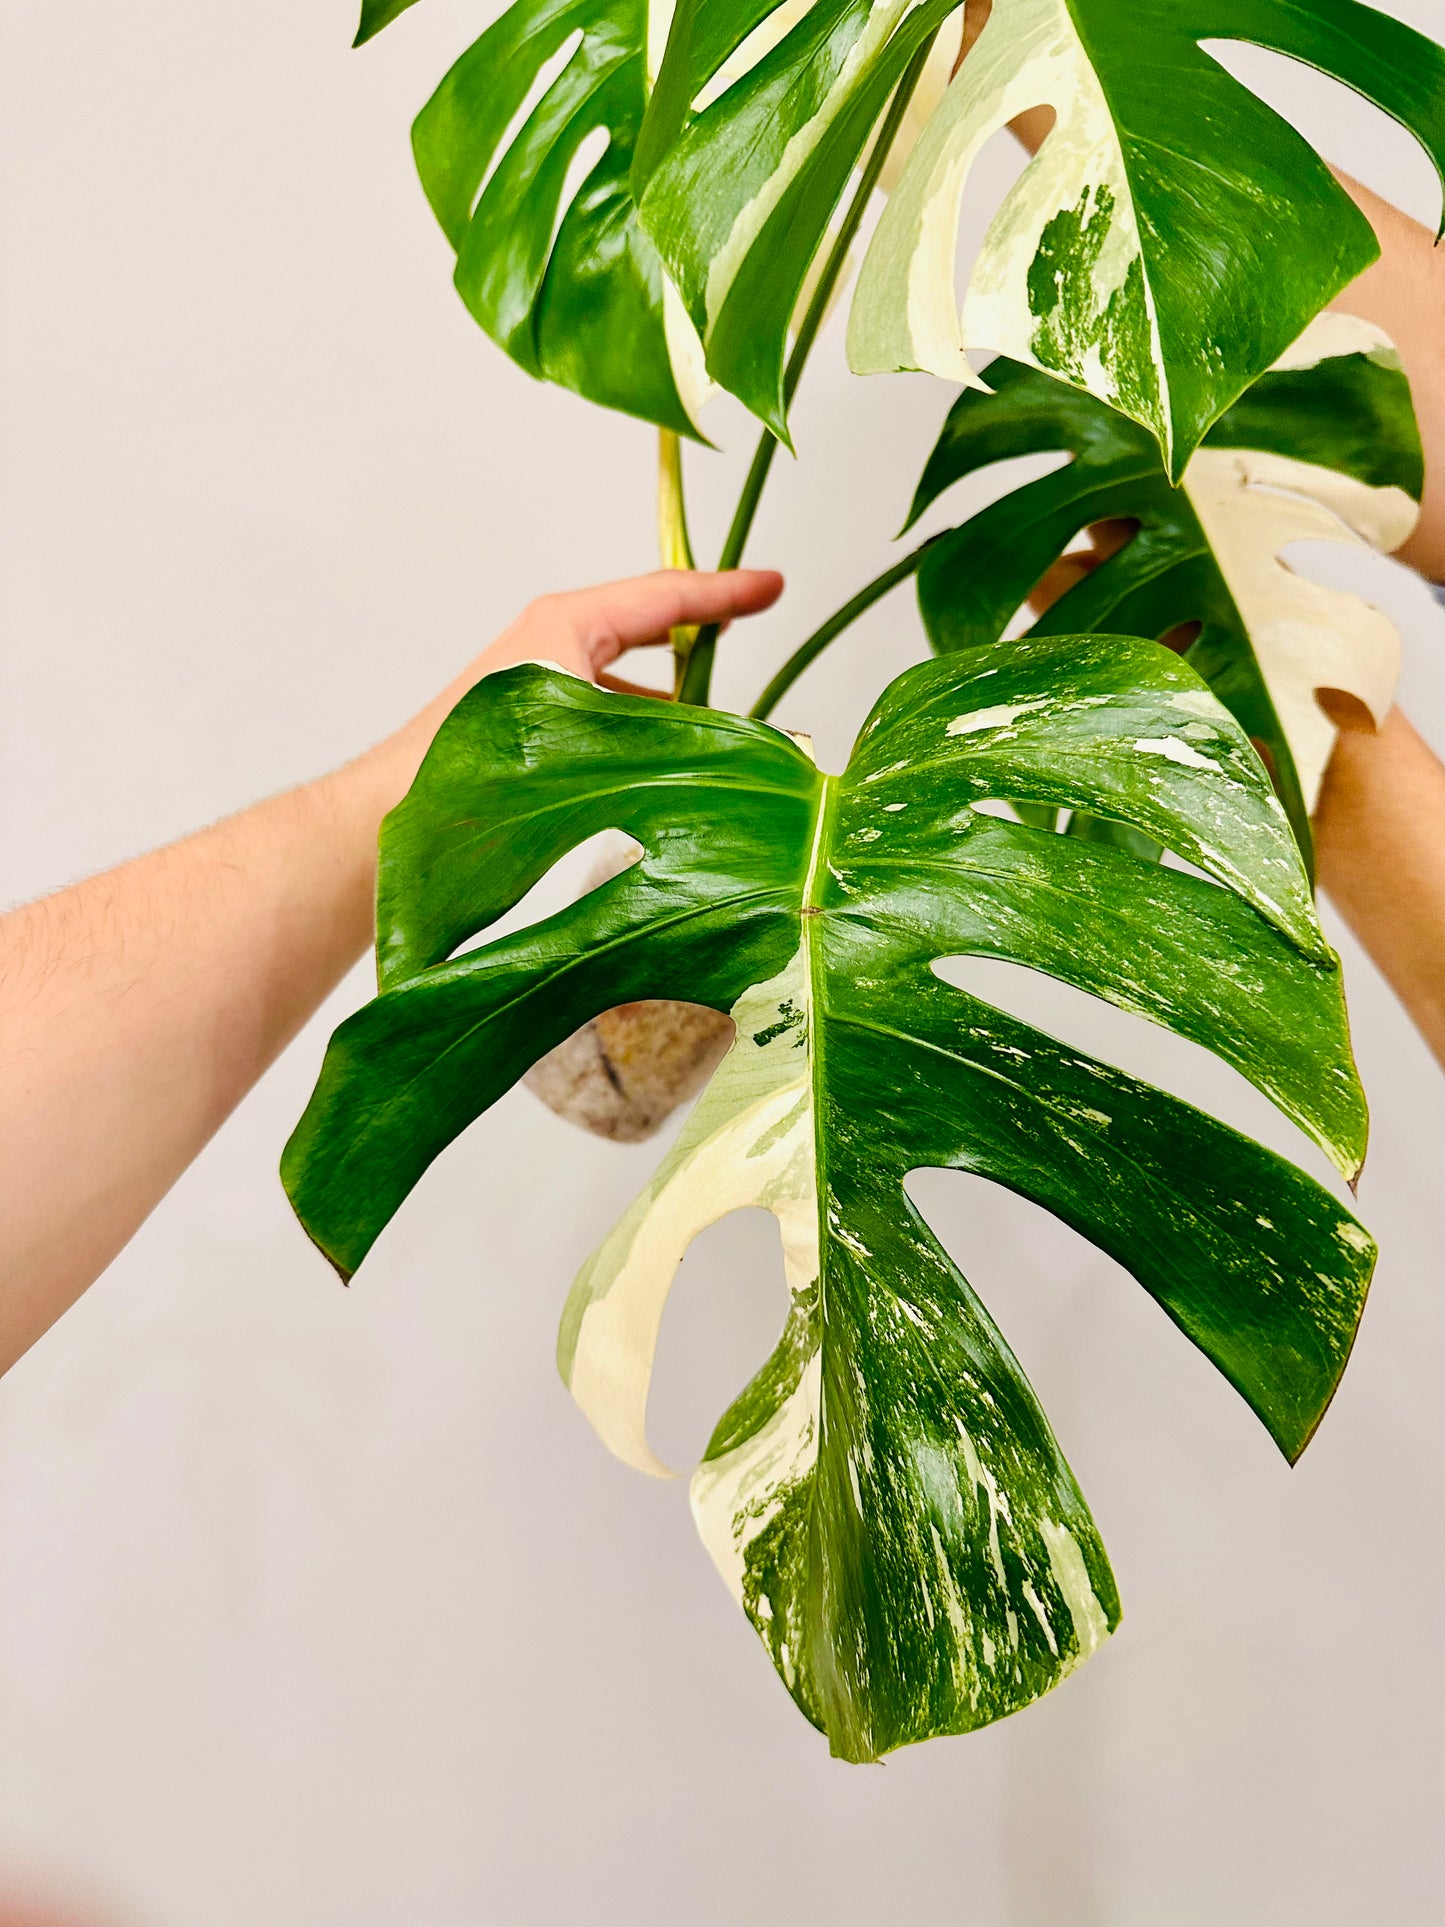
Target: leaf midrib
1120, 131
811, 929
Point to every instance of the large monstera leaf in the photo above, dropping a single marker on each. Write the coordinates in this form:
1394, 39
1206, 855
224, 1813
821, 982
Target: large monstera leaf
886, 1497
1323, 448
1173, 235
575, 294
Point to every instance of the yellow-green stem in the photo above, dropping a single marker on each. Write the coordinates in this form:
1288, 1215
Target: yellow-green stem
674, 548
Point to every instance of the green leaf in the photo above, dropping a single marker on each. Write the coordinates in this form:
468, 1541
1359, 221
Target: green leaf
376, 14
574, 293
1324, 448
1173, 235
738, 194
885, 1497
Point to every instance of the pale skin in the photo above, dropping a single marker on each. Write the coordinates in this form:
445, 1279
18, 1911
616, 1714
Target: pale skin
139, 1007
1380, 823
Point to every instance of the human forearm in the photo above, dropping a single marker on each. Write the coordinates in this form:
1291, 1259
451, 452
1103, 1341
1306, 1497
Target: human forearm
1380, 823
1380, 852
1404, 293
139, 1007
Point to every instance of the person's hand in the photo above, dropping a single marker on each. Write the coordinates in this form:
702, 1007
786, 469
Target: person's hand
139, 1007
586, 630
1104, 538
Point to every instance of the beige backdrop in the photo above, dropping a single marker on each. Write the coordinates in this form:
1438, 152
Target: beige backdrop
323, 1608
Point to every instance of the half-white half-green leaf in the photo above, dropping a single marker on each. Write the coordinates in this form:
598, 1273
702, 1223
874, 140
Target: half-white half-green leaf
1172, 236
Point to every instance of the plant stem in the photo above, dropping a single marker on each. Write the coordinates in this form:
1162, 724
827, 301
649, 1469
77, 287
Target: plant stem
674, 548
808, 651
673, 545
696, 681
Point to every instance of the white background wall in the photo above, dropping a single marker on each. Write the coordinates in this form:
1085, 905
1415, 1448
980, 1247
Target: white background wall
324, 1608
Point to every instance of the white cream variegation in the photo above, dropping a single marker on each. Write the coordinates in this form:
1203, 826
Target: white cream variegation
883, 21
923, 104
1337, 333
1252, 505
884, 1495
695, 387
905, 313
758, 45
751, 1141
685, 349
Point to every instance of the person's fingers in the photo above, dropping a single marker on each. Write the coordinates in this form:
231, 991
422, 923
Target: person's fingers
620, 686
1105, 540
1056, 582
1111, 536
586, 629
631, 614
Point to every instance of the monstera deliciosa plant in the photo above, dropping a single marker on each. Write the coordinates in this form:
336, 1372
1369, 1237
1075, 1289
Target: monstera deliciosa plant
1115, 792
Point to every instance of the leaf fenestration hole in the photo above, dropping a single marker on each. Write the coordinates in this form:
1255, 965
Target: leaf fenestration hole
590, 150
996, 170
1335, 120
994, 482
546, 74
1086, 1334
1139, 1046
1087, 549
1344, 710
1182, 637
573, 876
724, 1316
1036, 1276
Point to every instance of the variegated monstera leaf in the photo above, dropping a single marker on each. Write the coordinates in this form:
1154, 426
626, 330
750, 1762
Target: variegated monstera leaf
886, 1497
574, 293
1323, 448
760, 115
1173, 235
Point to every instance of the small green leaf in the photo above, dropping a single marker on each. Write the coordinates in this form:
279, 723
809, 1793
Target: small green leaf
1325, 448
886, 1497
1173, 235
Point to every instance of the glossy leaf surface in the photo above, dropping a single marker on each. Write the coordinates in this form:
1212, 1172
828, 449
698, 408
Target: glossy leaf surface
565, 281
886, 1497
737, 191
1173, 235
1323, 448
